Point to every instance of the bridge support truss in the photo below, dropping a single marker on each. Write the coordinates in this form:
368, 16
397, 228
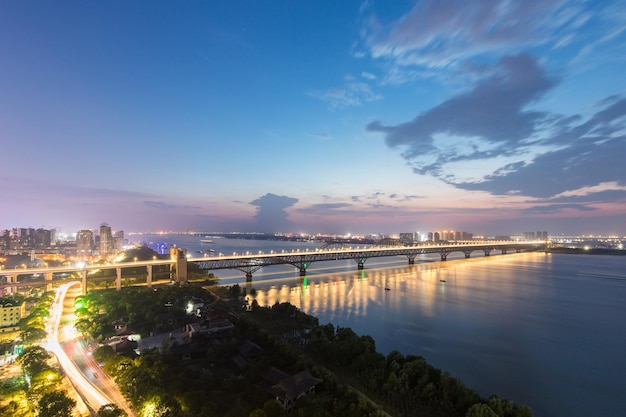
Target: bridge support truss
444, 254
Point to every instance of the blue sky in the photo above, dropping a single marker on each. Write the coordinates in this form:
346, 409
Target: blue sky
494, 117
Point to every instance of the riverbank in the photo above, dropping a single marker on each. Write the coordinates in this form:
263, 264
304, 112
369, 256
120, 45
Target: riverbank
587, 251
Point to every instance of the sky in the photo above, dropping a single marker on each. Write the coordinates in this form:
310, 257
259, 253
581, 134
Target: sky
491, 117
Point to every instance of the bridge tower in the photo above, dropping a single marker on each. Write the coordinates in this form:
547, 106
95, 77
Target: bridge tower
180, 256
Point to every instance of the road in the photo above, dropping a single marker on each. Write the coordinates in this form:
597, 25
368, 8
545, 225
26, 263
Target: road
94, 386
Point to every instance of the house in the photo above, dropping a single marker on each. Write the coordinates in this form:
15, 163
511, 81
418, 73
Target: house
120, 327
288, 389
223, 328
125, 347
165, 321
248, 350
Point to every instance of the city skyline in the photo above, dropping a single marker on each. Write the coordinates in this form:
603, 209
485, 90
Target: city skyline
328, 117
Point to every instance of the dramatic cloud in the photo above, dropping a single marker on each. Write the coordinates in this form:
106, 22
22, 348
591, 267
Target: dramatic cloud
494, 113
509, 148
592, 153
271, 215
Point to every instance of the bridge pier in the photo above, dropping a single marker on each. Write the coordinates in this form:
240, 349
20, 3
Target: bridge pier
444, 254
411, 259
360, 263
467, 254
149, 276
10, 279
248, 276
180, 256
503, 251
487, 251
303, 266
118, 278
48, 280
84, 281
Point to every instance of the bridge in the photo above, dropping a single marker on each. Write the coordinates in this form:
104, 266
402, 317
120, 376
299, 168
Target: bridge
250, 263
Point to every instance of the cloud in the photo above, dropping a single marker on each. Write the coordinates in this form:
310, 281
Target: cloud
159, 205
488, 139
353, 93
436, 39
324, 209
441, 34
493, 112
400, 197
368, 75
591, 153
321, 136
556, 208
271, 215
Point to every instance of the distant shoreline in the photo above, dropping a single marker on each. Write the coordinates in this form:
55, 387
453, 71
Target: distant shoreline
591, 251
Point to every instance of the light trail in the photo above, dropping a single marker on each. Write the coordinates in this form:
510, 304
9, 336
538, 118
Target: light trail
91, 394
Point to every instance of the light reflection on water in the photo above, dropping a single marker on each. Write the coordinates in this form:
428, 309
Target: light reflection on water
530, 327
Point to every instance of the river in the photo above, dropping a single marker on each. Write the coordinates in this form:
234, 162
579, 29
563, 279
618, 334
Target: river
544, 330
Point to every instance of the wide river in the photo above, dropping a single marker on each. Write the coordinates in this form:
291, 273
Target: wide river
544, 330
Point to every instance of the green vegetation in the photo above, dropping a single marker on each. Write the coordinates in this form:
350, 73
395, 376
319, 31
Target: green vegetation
203, 377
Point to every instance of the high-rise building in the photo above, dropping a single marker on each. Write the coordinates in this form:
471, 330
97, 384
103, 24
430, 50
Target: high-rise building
106, 240
118, 241
84, 243
407, 239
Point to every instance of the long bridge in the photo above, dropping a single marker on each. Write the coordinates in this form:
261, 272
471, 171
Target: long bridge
250, 263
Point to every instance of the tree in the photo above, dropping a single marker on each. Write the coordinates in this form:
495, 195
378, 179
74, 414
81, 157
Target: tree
110, 410
55, 404
273, 408
104, 353
34, 359
480, 410
32, 335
